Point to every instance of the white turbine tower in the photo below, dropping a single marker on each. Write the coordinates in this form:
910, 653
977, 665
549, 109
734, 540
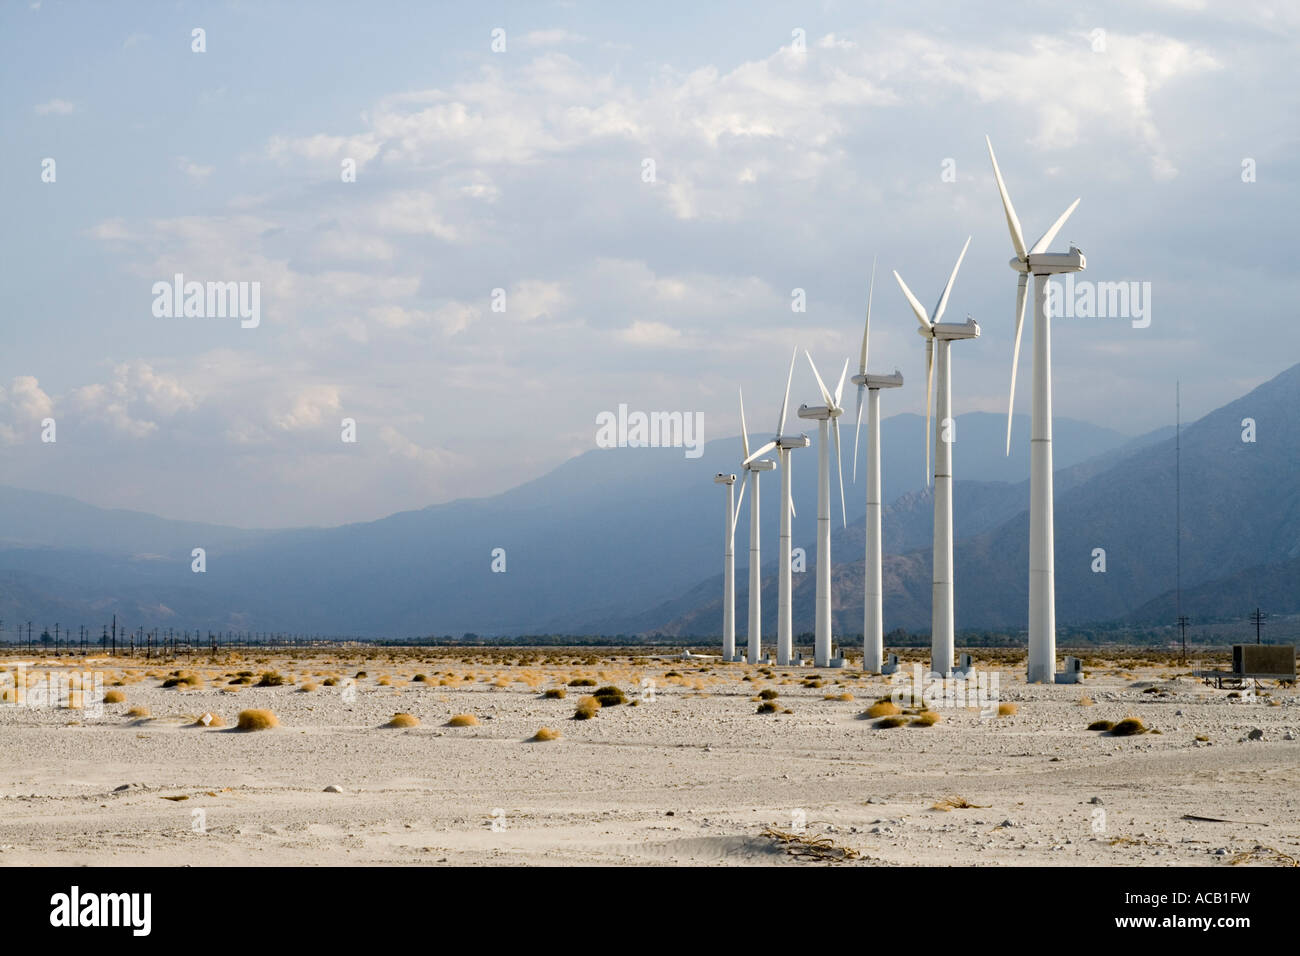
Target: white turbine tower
753, 467
1039, 263
826, 416
783, 444
873, 629
728, 568
932, 330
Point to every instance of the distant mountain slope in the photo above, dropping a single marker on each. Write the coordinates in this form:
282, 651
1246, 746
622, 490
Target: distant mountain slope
1241, 509
603, 537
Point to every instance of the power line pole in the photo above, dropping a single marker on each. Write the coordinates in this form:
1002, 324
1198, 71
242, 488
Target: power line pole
1182, 626
1257, 617
1178, 511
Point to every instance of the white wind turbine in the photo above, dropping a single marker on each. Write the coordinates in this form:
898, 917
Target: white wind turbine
1039, 263
932, 330
826, 416
728, 568
873, 630
783, 444
753, 467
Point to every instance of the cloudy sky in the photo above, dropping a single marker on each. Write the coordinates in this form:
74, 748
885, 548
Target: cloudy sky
790, 143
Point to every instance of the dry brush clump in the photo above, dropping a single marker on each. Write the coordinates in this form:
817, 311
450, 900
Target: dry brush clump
587, 708
114, 697
209, 720
250, 720
926, 718
463, 720
1128, 727
1102, 725
767, 707
888, 723
271, 679
555, 693
544, 734
405, 720
609, 696
883, 708
1008, 710
138, 712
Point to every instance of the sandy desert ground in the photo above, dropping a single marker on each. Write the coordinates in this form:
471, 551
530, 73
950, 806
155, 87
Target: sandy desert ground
686, 772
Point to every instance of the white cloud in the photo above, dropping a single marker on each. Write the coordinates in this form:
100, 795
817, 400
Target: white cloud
654, 334
54, 108
193, 170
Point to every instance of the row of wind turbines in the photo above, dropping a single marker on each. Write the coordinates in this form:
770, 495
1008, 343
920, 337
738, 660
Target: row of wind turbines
1028, 261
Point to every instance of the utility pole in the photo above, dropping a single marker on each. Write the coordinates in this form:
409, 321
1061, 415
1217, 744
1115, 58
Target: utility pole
114, 635
1178, 515
1182, 626
1257, 617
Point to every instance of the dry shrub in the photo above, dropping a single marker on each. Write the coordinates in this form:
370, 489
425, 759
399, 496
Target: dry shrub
214, 720
926, 718
384, 682
1007, 710
360, 674
250, 720
768, 693
420, 679
463, 720
138, 712
544, 734
114, 697
846, 697
885, 723
307, 688
1128, 727
883, 708
582, 682
587, 707
405, 720
767, 707
957, 803
330, 682
1100, 725
1085, 701
183, 680
609, 696
271, 679
556, 693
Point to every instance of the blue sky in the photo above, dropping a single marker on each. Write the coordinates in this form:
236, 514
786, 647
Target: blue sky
776, 169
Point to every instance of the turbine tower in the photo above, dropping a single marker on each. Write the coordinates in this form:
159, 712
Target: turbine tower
873, 617
753, 467
728, 568
1039, 263
932, 330
783, 443
826, 416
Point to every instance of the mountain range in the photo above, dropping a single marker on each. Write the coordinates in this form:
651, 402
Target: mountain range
629, 541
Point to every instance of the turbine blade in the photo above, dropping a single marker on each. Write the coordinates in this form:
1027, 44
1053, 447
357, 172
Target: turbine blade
929, 380
1013, 223
839, 466
759, 454
866, 329
780, 429
943, 299
744, 432
1021, 288
857, 433
735, 515
826, 396
839, 389
921, 314
1046, 239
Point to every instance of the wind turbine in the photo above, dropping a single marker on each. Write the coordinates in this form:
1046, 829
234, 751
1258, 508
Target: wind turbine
826, 416
728, 568
932, 330
1039, 263
753, 467
783, 443
873, 629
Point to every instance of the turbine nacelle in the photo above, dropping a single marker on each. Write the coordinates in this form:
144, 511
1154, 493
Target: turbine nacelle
879, 381
793, 441
721, 479
761, 464
1051, 263
970, 329
818, 413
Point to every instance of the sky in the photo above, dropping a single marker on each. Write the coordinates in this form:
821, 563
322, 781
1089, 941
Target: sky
789, 145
